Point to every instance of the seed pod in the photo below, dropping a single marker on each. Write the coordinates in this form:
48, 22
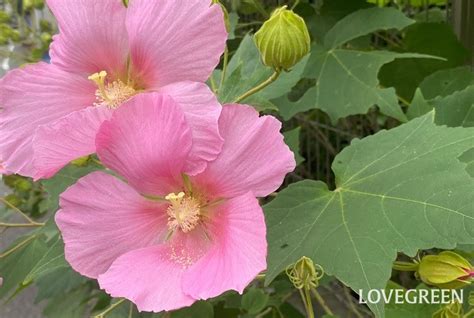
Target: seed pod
283, 40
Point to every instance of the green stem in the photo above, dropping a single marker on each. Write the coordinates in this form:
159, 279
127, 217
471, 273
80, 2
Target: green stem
405, 266
321, 301
259, 87
224, 67
295, 4
23, 214
111, 307
18, 246
21, 224
309, 303
469, 314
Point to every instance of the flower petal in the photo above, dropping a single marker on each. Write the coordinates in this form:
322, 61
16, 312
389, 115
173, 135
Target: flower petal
92, 36
202, 111
254, 156
173, 41
147, 141
35, 95
149, 278
102, 218
66, 139
238, 253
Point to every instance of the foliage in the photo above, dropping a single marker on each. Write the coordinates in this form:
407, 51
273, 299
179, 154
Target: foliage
380, 117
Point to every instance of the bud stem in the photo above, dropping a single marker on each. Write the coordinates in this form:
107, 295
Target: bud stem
405, 266
321, 301
258, 88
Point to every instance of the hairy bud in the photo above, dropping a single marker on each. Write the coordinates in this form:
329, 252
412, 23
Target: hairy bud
283, 40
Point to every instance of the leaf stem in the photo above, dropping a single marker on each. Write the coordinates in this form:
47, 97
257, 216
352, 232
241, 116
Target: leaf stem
321, 301
23, 214
109, 309
259, 87
306, 298
224, 67
18, 246
21, 224
405, 266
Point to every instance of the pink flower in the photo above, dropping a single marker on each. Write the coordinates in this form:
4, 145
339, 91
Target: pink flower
104, 54
165, 239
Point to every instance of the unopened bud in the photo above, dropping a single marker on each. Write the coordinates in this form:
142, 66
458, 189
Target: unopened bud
453, 310
303, 273
283, 40
445, 270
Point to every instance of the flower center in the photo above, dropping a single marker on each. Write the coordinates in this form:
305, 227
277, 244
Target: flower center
111, 94
184, 212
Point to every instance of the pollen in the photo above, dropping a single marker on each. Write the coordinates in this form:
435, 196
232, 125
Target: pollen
184, 212
111, 93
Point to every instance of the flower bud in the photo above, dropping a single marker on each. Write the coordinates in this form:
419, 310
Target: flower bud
303, 273
445, 270
453, 310
283, 40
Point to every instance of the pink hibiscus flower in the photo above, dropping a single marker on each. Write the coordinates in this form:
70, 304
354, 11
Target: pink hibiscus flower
104, 54
165, 239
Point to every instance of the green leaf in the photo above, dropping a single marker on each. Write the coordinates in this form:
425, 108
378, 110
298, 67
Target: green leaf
245, 71
435, 39
62, 180
347, 84
16, 266
453, 110
468, 159
200, 309
397, 191
51, 261
57, 283
292, 139
254, 300
363, 22
71, 305
446, 82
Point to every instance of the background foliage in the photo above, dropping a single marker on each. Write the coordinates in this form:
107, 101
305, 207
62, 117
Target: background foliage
380, 117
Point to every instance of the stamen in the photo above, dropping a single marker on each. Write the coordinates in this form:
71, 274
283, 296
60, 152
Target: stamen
183, 212
110, 94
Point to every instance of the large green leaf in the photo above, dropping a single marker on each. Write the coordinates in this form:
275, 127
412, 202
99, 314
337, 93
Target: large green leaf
16, 266
397, 191
453, 110
436, 39
292, 139
347, 82
363, 22
52, 260
446, 82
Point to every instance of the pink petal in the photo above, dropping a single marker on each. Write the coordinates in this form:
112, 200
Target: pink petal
149, 278
173, 41
68, 138
238, 253
102, 218
254, 156
147, 141
31, 96
92, 36
202, 111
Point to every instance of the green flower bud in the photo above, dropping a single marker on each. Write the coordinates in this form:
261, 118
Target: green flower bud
46, 37
303, 273
81, 162
453, 310
283, 40
445, 270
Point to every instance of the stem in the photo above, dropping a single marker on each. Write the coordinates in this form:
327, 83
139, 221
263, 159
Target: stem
309, 303
21, 224
295, 4
259, 87
469, 314
213, 84
403, 100
23, 214
404, 266
263, 313
351, 303
321, 301
18, 246
224, 67
111, 307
